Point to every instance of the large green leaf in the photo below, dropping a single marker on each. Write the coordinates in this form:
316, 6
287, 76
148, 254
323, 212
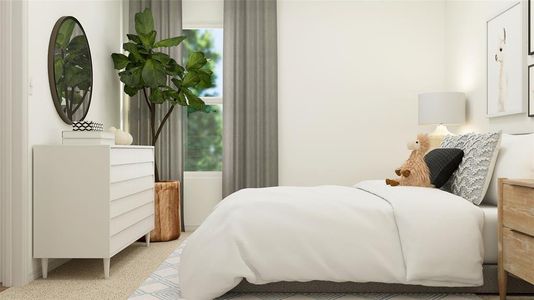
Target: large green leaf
144, 22
191, 79
131, 91
182, 100
131, 65
132, 77
175, 41
171, 95
194, 101
64, 33
205, 78
161, 57
78, 43
120, 61
196, 61
156, 96
177, 82
148, 40
132, 48
134, 38
75, 76
58, 68
153, 73
174, 69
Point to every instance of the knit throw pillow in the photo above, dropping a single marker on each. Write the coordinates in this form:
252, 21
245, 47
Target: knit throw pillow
472, 178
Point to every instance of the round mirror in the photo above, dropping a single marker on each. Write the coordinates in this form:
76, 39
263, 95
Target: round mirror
70, 70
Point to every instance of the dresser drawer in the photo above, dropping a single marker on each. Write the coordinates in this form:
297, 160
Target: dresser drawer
131, 234
129, 187
126, 220
518, 249
123, 205
130, 171
121, 156
518, 209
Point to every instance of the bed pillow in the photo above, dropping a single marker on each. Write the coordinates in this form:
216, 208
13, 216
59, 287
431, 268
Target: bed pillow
515, 160
442, 162
472, 178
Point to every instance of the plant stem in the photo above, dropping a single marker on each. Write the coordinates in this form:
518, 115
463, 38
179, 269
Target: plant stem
167, 115
152, 109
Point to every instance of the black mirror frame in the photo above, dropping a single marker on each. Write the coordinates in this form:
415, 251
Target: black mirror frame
51, 68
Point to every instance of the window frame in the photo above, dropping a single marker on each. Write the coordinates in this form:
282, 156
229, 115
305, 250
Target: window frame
209, 101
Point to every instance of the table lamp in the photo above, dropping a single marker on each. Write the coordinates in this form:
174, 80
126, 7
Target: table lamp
441, 109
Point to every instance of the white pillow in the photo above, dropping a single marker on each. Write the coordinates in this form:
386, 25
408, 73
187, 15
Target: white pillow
515, 160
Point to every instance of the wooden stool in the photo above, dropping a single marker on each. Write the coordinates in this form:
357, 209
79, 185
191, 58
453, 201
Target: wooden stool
167, 211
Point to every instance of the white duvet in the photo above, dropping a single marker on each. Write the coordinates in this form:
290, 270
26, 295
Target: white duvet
367, 233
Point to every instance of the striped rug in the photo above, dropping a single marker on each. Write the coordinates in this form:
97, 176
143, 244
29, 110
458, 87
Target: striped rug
163, 284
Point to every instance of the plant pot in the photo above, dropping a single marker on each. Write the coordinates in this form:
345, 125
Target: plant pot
167, 211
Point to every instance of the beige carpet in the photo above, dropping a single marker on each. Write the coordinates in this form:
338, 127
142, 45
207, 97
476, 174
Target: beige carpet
84, 278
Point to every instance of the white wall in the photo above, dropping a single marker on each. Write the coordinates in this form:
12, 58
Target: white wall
102, 24
202, 191
349, 75
466, 62
202, 13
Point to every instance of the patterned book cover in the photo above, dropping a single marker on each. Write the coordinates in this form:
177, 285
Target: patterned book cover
87, 126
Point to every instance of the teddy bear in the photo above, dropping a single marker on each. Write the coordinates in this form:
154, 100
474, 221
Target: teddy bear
414, 172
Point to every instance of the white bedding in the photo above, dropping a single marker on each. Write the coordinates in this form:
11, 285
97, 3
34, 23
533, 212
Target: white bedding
367, 233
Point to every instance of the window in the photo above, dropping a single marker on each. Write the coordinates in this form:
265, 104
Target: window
203, 130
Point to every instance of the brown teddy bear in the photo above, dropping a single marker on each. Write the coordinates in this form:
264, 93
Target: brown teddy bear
414, 172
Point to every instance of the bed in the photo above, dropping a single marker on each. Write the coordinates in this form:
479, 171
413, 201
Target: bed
489, 272
366, 238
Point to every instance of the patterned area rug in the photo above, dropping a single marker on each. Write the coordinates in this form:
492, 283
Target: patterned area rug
163, 285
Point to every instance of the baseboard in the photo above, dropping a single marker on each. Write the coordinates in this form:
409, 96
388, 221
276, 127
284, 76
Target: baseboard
191, 228
52, 265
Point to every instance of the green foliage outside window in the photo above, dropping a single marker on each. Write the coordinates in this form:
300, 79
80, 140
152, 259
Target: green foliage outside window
204, 140
204, 129
204, 41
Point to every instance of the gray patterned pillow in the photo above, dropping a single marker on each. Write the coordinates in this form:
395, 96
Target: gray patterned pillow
473, 176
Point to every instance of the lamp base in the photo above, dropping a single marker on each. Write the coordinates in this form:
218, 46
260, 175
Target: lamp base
436, 136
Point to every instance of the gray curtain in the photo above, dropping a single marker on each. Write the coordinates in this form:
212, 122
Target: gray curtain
169, 151
250, 138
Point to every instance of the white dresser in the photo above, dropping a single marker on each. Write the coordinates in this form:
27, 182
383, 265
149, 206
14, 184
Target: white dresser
91, 201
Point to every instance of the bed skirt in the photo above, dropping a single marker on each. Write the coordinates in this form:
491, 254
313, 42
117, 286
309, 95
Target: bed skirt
515, 286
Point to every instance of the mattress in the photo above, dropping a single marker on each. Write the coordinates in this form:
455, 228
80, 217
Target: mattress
489, 234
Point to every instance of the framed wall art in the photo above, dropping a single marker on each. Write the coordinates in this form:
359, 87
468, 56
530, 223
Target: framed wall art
531, 91
505, 69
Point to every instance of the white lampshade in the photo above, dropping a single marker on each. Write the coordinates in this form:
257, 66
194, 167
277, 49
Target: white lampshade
441, 108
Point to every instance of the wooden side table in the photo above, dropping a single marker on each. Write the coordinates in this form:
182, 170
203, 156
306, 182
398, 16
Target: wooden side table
516, 231
167, 212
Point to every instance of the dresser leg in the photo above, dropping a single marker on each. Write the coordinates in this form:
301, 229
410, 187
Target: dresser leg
503, 278
106, 267
147, 239
44, 267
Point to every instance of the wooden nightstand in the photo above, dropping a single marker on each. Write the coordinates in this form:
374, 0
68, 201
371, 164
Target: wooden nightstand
516, 231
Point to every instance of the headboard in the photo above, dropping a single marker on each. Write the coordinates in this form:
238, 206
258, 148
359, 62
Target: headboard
515, 160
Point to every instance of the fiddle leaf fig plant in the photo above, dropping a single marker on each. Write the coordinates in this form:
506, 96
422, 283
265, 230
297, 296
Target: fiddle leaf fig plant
157, 76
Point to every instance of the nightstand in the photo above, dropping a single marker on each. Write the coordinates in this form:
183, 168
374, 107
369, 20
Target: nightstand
516, 231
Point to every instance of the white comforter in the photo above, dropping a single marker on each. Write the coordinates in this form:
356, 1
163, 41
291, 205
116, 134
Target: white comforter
367, 233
